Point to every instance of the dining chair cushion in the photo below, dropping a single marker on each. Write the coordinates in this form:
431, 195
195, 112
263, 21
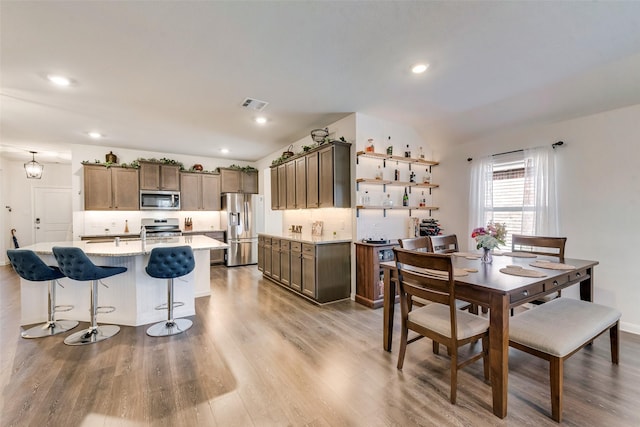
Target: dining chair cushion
573, 322
437, 318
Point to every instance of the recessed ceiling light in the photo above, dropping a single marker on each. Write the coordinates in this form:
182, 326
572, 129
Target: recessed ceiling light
224, 150
261, 120
95, 135
59, 80
419, 68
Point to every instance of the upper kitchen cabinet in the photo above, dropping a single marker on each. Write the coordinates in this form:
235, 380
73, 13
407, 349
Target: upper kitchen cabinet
110, 188
158, 176
199, 192
334, 177
319, 178
238, 181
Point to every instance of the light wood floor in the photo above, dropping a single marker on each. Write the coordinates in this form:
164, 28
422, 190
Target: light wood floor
260, 356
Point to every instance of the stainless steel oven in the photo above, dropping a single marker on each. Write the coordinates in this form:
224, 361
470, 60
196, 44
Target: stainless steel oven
159, 200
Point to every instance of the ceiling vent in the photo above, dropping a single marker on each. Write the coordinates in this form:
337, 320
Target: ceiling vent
254, 104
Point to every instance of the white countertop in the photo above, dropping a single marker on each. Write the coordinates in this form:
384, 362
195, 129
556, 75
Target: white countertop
130, 247
308, 238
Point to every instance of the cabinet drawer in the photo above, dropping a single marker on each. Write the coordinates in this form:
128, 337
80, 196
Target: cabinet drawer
285, 245
296, 246
551, 284
308, 249
527, 294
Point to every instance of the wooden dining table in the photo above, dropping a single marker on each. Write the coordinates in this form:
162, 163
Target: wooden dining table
499, 292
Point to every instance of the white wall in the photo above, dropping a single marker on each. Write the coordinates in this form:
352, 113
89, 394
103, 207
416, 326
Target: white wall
598, 194
17, 192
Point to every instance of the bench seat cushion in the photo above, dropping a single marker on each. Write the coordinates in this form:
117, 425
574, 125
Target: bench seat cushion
561, 326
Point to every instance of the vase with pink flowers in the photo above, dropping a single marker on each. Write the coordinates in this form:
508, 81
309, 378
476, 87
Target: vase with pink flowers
488, 238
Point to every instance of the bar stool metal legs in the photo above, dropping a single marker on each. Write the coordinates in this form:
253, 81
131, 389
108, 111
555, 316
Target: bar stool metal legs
93, 333
51, 326
171, 326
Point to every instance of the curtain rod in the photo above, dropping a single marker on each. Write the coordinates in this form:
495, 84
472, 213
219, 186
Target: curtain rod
554, 145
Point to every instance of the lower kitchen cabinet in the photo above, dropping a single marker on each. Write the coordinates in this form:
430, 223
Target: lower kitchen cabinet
320, 271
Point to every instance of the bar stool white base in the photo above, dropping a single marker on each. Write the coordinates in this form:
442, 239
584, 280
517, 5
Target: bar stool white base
167, 328
92, 335
49, 328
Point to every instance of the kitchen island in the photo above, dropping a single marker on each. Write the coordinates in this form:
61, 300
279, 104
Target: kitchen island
134, 294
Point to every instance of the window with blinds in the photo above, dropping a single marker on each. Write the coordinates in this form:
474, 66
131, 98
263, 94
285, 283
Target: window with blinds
510, 196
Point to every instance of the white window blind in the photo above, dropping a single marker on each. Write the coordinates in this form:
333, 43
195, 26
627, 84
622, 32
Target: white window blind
508, 197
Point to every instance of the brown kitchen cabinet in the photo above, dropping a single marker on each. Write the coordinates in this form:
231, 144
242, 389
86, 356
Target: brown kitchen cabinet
158, 176
110, 188
318, 271
369, 274
199, 191
275, 199
238, 181
319, 178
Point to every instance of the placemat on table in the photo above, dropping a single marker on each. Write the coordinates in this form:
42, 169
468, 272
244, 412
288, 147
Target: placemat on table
516, 270
520, 254
541, 263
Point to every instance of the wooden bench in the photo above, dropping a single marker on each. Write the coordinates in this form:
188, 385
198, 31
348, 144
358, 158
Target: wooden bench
556, 330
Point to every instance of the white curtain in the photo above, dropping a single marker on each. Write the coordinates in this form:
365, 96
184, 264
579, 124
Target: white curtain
480, 195
540, 203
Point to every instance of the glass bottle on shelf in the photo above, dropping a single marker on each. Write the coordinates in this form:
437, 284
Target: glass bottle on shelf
370, 148
421, 153
379, 173
427, 176
407, 151
412, 177
423, 201
397, 175
387, 202
405, 198
389, 147
365, 199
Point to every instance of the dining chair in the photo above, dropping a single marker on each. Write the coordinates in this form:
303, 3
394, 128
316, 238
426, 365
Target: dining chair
421, 242
540, 245
445, 244
558, 329
430, 277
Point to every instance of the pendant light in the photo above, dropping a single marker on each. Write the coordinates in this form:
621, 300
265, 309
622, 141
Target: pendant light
33, 168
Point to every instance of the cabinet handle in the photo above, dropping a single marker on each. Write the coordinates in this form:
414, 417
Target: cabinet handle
525, 293
555, 283
578, 274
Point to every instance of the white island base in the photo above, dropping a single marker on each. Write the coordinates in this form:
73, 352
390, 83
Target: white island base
134, 294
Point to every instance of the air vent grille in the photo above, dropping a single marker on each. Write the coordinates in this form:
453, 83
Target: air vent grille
254, 104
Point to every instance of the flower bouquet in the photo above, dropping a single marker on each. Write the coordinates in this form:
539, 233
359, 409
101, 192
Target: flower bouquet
489, 237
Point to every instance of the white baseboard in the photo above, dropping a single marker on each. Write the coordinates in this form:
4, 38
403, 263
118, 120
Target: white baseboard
630, 327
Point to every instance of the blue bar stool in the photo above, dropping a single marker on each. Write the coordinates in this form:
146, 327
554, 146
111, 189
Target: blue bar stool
169, 263
30, 267
76, 265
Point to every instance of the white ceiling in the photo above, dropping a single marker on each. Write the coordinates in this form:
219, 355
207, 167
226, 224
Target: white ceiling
170, 76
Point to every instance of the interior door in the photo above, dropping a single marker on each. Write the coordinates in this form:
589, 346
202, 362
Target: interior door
52, 215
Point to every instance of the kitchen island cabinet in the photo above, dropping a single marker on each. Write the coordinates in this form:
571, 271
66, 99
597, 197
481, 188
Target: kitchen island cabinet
133, 293
317, 269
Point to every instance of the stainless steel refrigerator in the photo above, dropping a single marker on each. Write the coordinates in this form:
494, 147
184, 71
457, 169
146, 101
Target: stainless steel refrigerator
241, 219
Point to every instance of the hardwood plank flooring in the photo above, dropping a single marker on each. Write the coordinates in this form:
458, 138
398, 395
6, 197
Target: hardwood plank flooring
258, 355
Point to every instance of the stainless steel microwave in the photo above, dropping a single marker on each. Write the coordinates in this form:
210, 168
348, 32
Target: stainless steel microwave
159, 200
